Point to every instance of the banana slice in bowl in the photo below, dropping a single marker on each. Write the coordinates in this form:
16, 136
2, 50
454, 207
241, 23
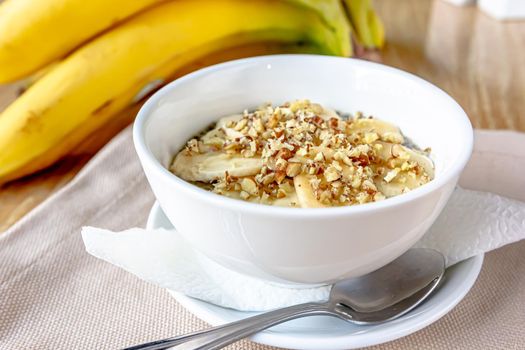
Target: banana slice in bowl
231, 132
386, 131
415, 169
305, 192
208, 167
291, 200
301, 154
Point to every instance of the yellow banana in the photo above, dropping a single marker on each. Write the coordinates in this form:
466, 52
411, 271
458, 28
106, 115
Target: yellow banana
365, 22
68, 23
35, 33
101, 78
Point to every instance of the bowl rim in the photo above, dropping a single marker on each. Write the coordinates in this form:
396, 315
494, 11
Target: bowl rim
150, 161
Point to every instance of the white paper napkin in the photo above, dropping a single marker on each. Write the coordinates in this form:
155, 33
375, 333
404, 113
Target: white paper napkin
471, 223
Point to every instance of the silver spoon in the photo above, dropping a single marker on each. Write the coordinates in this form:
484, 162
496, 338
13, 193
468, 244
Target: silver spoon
379, 296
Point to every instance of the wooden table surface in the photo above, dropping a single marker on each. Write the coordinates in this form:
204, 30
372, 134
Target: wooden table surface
478, 60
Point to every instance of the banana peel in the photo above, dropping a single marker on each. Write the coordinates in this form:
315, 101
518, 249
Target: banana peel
23, 24
69, 99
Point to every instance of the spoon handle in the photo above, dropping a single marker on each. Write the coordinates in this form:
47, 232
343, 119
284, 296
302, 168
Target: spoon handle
220, 336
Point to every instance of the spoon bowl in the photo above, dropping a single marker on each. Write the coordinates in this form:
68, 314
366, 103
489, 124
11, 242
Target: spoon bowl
391, 283
379, 296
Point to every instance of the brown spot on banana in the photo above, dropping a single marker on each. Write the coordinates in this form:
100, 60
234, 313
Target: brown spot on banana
32, 123
102, 107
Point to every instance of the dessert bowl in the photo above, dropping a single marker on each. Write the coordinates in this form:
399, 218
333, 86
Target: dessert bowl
297, 245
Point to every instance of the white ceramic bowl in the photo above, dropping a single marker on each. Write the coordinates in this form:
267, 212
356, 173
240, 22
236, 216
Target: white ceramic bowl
292, 245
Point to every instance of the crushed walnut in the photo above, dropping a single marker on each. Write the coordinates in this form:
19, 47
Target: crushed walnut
300, 154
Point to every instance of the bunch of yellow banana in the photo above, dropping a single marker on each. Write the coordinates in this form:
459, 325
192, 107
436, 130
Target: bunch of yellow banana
108, 51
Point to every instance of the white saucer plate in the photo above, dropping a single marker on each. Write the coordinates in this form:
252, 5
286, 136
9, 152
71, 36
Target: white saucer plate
321, 332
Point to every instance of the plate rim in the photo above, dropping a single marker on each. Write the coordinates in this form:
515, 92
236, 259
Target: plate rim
198, 308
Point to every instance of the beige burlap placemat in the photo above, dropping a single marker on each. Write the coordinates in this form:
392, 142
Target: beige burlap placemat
53, 295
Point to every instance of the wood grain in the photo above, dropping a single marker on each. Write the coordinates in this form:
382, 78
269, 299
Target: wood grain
476, 59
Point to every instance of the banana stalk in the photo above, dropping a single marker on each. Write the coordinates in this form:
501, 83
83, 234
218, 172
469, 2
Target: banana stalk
365, 23
333, 14
84, 91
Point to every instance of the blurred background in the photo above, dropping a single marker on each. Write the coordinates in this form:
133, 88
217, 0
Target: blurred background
475, 52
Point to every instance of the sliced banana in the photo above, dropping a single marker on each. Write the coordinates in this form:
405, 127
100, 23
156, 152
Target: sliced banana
423, 160
329, 113
389, 150
212, 140
212, 135
305, 192
386, 131
328, 153
403, 181
291, 200
395, 188
212, 166
323, 112
231, 133
223, 122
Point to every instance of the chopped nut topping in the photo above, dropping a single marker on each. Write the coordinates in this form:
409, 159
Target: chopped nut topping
391, 174
331, 174
193, 146
293, 169
319, 157
346, 160
249, 186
